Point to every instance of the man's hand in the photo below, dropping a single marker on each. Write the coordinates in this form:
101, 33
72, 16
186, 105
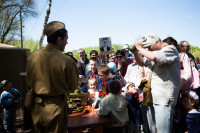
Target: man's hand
138, 45
148, 54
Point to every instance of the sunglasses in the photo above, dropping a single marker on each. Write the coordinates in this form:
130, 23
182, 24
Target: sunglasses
119, 56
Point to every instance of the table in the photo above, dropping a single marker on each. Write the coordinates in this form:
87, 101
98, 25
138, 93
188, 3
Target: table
79, 121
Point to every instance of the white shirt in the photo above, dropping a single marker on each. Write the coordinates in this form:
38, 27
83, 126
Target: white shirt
94, 93
165, 82
116, 105
133, 74
186, 73
105, 48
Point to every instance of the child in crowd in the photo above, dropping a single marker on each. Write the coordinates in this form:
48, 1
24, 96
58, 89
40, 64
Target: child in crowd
92, 92
114, 75
134, 111
92, 73
103, 72
115, 105
112, 57
190, 102
10, 97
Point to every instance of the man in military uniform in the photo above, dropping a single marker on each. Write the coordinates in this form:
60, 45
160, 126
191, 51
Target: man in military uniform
51, 75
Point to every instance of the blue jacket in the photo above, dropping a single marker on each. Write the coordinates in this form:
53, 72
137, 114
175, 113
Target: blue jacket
193, 122
8, 97
84, 85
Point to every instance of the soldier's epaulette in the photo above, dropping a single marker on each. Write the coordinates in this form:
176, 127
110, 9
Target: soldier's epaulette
72, 58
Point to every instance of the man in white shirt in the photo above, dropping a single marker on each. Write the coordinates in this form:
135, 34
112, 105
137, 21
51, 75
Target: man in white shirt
165, 82
133, 73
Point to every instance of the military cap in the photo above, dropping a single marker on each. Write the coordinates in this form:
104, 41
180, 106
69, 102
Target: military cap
149, 40
52, 27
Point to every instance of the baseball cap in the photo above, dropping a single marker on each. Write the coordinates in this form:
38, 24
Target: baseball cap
193, 95
52, 27
149, 40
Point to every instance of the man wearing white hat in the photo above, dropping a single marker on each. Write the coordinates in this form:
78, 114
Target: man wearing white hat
51, 75
165, 81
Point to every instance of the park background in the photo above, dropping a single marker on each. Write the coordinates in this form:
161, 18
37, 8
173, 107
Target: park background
123, 20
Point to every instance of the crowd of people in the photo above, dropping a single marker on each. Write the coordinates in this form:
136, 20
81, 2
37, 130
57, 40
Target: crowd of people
172, 69
112, 83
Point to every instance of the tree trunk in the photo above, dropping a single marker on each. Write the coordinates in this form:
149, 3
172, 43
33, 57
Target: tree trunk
21, 37
9, 19
45, 22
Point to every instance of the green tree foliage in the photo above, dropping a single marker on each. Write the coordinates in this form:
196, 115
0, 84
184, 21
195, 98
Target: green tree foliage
10, 17
195, 51
28, 44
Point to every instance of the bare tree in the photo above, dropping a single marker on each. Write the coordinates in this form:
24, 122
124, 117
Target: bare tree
10, 19
45, 22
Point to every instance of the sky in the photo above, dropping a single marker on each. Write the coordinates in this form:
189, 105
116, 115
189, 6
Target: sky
123, 20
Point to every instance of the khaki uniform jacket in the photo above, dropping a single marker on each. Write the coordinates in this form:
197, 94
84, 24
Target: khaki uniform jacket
50, 72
